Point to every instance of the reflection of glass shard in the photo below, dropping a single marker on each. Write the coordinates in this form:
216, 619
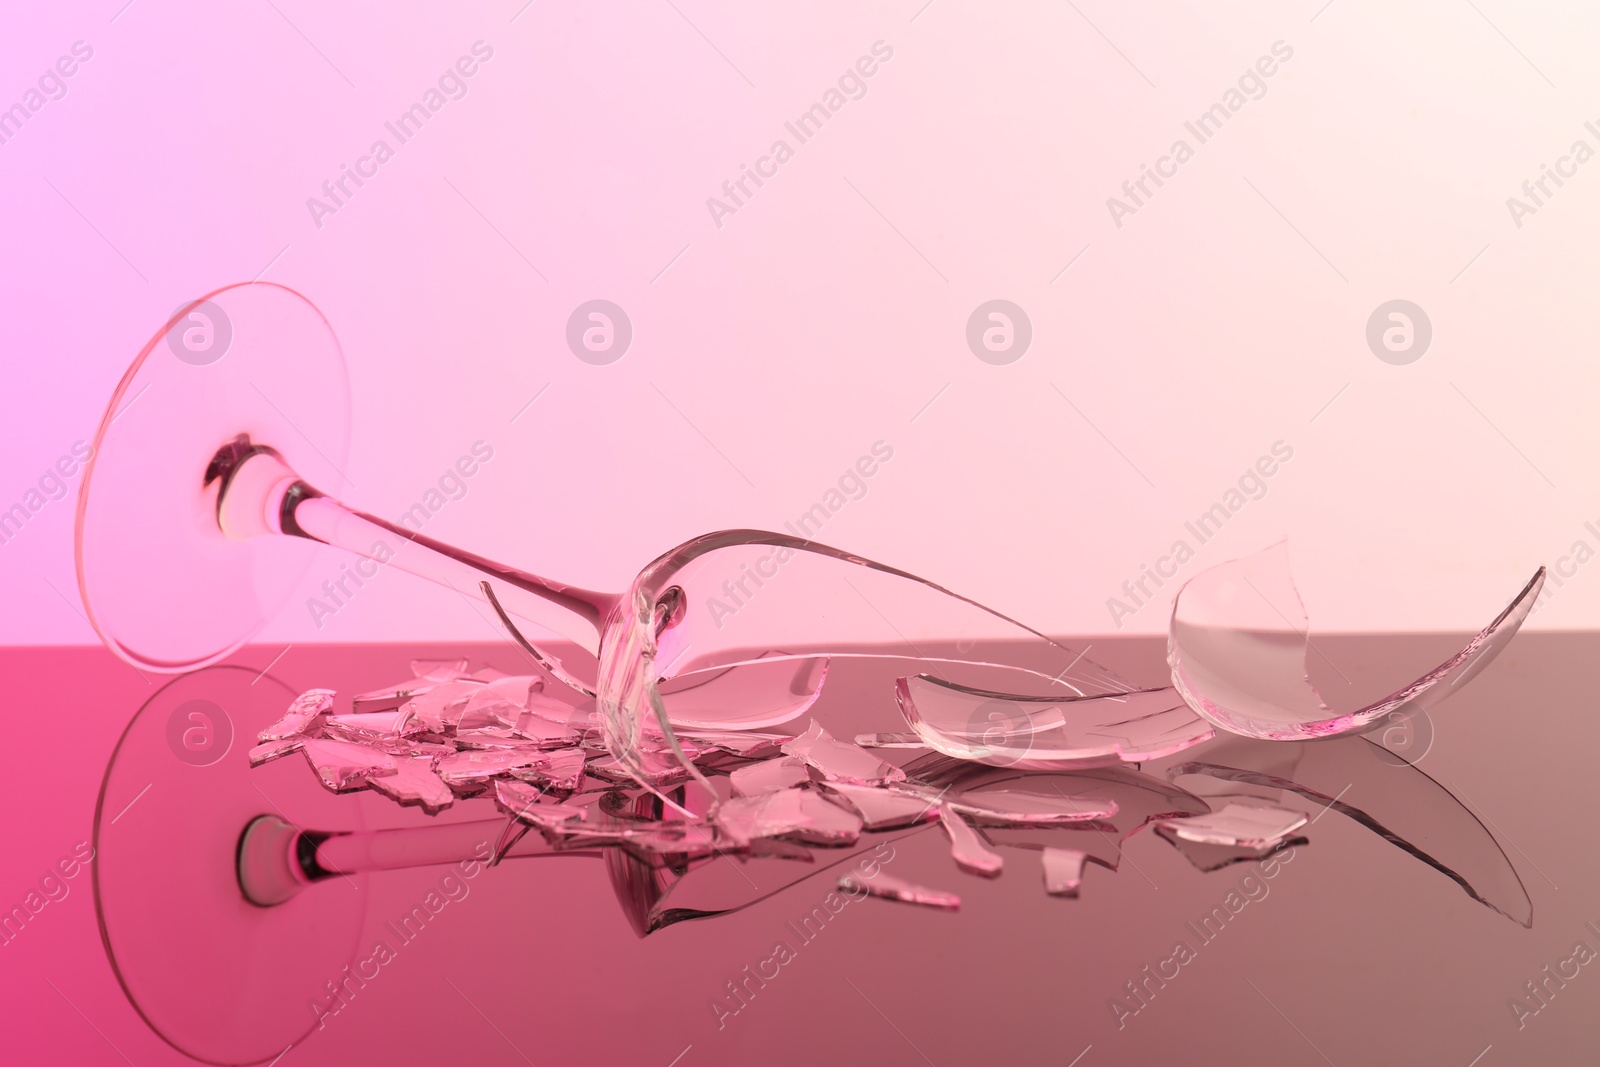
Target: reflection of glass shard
1041, 733
840, 761
1362, 781
1063, 870
1210, 857
887, 887
967, 847
1238, 825
1238, 647
301, 717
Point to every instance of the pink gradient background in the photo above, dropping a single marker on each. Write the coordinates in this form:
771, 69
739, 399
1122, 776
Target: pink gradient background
829, 312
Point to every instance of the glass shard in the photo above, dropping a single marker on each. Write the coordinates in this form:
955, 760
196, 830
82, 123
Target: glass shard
799, 814
840, 761
747, 744
891, 741
268, 751
887, 887
439, 709
342, 766
1045, 732
1018, 807
885, 809
473, 767
769, 776
1238, 825
372, 726
390, 697
545, 733
438, 670
560, 771
1238, 650
501, 702
301, 718
967, 847
415, 783
1063, 870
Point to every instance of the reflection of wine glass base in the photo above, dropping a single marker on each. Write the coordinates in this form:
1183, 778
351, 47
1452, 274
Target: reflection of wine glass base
163, 585
220, 979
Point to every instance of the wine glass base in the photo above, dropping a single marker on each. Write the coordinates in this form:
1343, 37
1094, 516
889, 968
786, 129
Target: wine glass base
221, 979
163, 586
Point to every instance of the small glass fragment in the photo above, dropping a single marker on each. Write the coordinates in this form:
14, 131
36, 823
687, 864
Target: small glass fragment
415, 783
1243, 825
891, 741
797, 813
745, 743
1209, 857
840, 761
769, 776
501, 702
473, 766
343, 766
885, 809
967, 847
887, 887
1063, 870
1238, 650
301, 717
656, 769
1358, 779
271, 750
365, 728
547, 734
439, 709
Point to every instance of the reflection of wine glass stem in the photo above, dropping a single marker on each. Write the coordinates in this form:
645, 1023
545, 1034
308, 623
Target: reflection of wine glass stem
259, 494
276, 860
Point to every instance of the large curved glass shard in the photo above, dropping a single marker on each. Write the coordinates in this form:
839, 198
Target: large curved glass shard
742, 596
1043, 732
1238, 649
1364, 782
